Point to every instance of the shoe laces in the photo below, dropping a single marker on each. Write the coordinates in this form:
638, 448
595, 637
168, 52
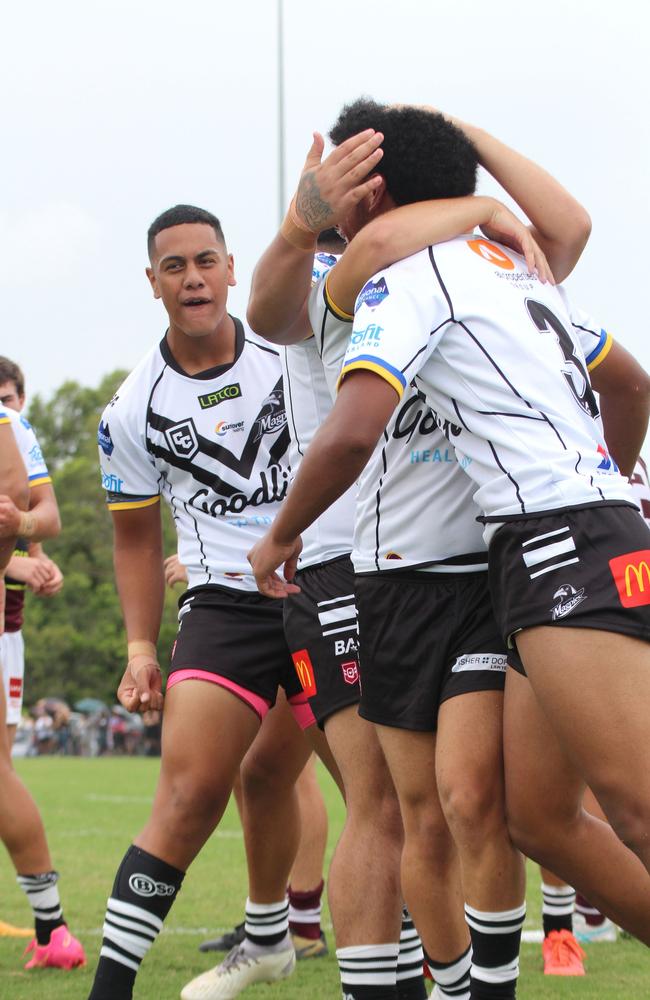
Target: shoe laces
236, 958
566, 948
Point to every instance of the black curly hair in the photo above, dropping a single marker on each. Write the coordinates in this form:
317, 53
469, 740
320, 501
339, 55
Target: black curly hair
177, 216
425, 156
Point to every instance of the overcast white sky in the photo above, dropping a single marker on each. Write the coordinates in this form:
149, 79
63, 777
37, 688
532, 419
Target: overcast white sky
113, 111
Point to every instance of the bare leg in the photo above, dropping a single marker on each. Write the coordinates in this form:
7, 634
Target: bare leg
21, 827
430, 865
364, 885
206, 733
471, 785
547, 822
307, 871
271, 812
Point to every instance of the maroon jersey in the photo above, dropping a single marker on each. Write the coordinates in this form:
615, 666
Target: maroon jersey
15, 595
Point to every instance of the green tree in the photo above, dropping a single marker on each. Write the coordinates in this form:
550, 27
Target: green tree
75, 642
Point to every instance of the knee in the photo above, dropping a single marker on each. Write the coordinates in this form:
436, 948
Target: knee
473, 808
629, 817
191, 803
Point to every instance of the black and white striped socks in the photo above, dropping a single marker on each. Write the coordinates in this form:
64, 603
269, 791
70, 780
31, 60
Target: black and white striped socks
43, 896
496, 938
145, 888
267, 925
368, 972
410, 962
558, 903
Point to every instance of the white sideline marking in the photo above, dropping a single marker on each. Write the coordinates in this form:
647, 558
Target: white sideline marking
535, 936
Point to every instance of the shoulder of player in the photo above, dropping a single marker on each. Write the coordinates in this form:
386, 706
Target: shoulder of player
129, 403
253, 343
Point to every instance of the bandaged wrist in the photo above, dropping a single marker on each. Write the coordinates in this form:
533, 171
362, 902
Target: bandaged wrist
26, 525
141, 647
295, 232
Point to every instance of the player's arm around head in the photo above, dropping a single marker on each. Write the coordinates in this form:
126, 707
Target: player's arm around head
560, 224
277, 308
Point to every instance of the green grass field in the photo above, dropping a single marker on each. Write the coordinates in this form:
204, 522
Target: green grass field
92, 808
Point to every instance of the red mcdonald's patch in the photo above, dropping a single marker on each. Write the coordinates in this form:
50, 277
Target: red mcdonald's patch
305, 671
631, 574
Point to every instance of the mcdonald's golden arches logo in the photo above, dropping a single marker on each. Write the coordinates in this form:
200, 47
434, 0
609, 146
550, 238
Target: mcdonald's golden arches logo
631, 574
305, 671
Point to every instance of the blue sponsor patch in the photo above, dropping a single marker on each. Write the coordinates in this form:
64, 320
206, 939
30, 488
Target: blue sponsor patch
104, 439
36, 455
328, 259
372, 293
25, 422
111, 483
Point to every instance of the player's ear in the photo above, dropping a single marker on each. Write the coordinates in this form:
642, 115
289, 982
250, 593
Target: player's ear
375, 197
152, 281
232, 280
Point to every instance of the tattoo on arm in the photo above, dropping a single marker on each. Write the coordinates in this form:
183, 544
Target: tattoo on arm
311, 207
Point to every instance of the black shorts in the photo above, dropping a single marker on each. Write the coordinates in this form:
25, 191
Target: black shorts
320, 624
237, 635
585, 568
425, 637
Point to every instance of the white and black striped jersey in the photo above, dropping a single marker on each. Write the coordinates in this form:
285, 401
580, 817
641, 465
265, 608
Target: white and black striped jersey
308, 402
214, 445
496, 356
414, 504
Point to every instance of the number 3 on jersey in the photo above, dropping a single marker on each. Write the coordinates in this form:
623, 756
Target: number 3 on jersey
573, 368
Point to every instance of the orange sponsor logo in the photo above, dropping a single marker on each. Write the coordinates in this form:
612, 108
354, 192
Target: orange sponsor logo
631, 574
492, 254
305, 671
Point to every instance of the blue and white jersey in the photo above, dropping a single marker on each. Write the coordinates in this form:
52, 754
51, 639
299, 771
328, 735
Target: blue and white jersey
28, 446
214, 445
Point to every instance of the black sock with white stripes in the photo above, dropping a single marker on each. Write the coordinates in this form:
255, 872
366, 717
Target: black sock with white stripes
267, 924
558, 903
410, 962
143, 892
368, 972
452, 978
43, 896
496, 938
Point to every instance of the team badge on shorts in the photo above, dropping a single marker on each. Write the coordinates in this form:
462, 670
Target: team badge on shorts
305, 670
631, 574
568, 599
350, 672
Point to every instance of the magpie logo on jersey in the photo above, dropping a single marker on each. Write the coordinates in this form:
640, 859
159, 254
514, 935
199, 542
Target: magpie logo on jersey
568, 599
182, 439
104, 439
272, 417
373, 293
142, 885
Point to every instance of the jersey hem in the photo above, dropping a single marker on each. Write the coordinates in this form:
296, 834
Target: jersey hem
133, 504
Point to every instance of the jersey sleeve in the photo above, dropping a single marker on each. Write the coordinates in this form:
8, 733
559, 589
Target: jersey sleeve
4, 416
30, 450
129, 476
595, 341
395, 314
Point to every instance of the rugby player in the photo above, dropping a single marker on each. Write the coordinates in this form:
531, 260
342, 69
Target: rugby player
201, 421
278, 309
31, 516
28, 566
484, 286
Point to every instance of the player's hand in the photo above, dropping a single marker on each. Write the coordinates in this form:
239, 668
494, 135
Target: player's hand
506, 228
54, 582
141, 686
9, 517
32, 572
175, 572
327, 191
266, 557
